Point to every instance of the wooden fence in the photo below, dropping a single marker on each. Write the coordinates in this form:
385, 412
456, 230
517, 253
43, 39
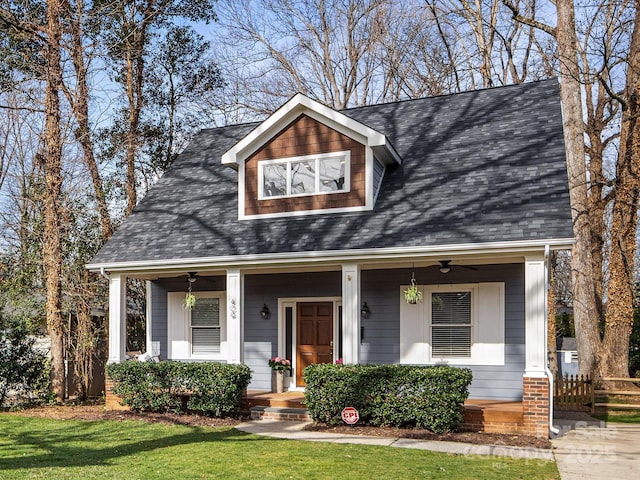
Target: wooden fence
627, 399
574, 393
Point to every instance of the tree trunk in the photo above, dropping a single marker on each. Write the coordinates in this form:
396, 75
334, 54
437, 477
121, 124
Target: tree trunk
620, 291
80, 106
584, 305
52, 167
132, 139
551, 315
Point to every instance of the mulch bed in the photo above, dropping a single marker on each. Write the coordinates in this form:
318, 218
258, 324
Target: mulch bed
97, 412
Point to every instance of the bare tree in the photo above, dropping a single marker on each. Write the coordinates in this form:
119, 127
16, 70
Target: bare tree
78, 98
614, 353
604, 205
330, 50
51, 163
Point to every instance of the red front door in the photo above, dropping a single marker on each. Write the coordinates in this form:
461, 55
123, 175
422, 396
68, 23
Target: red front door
314, 327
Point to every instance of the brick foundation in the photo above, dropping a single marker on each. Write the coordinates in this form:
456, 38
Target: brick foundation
535, 406
112, 401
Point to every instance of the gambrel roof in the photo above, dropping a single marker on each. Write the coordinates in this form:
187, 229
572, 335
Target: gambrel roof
484, 166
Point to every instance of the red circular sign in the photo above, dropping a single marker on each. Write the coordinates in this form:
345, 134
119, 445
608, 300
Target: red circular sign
350, 415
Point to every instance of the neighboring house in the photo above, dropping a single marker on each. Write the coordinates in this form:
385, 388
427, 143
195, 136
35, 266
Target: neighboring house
304, 230
567, 349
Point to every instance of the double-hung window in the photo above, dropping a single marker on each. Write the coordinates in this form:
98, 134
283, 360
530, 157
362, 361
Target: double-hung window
205, 326
451, 323
306, 175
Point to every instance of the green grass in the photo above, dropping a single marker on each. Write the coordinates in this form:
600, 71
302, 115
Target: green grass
60, 449
618, 417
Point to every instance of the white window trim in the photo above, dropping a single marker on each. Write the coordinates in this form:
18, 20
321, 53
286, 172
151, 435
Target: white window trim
428, 297
346, 155
488, 326
179, 328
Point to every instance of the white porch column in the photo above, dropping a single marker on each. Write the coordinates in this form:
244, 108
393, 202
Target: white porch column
235, 315
351, 313
149, 319
117, 317
535, 313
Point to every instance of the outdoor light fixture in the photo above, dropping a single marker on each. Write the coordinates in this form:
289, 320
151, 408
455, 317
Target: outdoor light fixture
264, 313
364, 311
444, 266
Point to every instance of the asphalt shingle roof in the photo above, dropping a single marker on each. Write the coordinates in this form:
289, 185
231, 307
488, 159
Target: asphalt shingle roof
482, 166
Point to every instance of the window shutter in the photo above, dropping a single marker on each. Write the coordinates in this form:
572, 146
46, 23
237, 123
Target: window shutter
490, 333
413, 346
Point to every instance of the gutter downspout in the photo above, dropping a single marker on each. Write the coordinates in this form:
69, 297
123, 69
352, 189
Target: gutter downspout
104, 273
554, 430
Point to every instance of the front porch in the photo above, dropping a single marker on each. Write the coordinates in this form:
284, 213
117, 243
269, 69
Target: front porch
491, 416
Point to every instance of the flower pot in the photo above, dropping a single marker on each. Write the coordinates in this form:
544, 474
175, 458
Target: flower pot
279, 381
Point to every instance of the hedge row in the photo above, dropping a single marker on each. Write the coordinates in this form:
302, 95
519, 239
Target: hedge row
388, 395
213, 389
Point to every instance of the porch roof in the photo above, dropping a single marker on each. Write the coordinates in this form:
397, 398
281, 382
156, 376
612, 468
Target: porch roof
482, 167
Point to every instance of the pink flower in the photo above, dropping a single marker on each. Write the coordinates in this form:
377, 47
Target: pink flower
278, 363
339, 361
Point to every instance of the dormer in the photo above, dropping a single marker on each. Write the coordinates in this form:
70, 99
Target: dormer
308, 159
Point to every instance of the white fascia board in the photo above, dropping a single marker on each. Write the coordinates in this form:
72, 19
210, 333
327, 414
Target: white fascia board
297, 105
333, 256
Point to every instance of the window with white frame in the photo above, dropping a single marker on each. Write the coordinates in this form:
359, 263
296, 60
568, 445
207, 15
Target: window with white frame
205, 326
302, 176
451, 323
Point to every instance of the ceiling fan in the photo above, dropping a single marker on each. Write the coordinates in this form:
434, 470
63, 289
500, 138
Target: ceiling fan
445, 266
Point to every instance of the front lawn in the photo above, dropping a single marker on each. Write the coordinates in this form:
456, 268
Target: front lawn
58, 449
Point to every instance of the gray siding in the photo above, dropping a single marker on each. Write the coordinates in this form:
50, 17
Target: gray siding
159, 317
378, 172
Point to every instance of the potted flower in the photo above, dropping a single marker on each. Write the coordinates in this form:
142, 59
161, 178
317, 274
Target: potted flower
413, 294
279, 366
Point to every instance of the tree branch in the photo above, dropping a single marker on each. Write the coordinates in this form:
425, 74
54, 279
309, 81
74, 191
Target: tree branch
25, 109
517, 16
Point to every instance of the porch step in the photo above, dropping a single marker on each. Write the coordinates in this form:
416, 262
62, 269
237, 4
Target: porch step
269, 399
493, 417
263, 412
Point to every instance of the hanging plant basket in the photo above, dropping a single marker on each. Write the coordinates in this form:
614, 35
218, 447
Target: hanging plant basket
413, 295
189, 301
190, 298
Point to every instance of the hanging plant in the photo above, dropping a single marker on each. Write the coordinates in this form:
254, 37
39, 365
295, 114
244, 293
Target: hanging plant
190, 298
189, 301
413, 294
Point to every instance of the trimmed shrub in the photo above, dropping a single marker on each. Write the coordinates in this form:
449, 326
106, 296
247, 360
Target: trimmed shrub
389, 395
213, 389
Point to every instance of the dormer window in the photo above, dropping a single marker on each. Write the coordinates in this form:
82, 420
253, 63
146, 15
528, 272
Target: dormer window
304, 175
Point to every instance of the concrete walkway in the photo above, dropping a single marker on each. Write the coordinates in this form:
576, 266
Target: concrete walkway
585, 448
590, 449
295, 431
